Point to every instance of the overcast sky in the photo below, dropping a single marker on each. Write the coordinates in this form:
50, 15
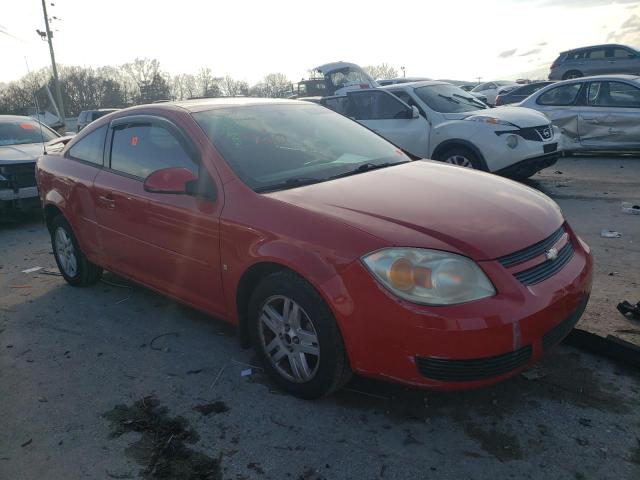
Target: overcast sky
455, 39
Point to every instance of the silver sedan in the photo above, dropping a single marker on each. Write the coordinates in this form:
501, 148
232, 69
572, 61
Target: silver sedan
593, 113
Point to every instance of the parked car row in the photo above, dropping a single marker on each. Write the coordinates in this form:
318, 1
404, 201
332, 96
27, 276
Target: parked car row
331, 249
441, 121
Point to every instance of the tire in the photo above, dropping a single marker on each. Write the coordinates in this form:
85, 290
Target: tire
572, 74
72, 263
323, 366
461, 156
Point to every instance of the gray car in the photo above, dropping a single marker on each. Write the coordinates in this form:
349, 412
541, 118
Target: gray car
22, 141
593, 113
595, 60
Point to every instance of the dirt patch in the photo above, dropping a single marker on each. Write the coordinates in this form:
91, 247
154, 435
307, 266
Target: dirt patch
208, 408
161, 448
504, 446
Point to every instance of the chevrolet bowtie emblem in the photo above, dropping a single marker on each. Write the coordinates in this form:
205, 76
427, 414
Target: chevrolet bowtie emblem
551, 254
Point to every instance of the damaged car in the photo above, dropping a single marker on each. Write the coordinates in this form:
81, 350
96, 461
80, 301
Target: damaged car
334, 78
22, 141
440, 121
331, 249
600, 113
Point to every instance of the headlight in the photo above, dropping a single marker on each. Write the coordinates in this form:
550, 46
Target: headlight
491, 120
429, 277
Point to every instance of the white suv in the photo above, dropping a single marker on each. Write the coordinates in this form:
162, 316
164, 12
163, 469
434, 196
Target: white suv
441, 121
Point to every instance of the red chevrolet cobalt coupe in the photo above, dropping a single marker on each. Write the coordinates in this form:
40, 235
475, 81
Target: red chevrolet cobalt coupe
330, 248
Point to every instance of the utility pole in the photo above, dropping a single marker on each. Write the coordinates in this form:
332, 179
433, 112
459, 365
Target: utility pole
54, 68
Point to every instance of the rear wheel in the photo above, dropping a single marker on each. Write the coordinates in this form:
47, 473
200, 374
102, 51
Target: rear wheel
295, 335
572, 74
461, 156
72, 263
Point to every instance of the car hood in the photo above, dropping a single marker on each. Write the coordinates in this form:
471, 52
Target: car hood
519, 116
432, 205
20, 153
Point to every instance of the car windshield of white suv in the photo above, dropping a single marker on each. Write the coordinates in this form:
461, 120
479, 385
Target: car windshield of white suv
273, 147
22, 132
448, 99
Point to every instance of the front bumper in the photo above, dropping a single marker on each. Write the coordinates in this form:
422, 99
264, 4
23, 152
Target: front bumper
530, 166
482, 342
19, 200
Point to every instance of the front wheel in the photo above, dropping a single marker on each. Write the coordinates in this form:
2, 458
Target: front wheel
461, 156
72, 263
296, 337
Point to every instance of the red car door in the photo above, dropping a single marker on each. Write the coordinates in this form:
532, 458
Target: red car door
167, 241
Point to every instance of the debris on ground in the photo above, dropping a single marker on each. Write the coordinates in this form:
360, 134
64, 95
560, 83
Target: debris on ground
246, 372
27, 443
161, 449
208, 408
32, 269
166, 349
625, 308
533, 374
610, 234
630, 208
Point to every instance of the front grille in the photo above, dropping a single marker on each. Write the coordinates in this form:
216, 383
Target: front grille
557, 333
546, 269
475, 369
532, 251
541, 133
19, 176
550, 147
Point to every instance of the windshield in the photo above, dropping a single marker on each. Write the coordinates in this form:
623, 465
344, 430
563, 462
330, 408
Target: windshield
270, 145
20, 132
347, 76
446, 98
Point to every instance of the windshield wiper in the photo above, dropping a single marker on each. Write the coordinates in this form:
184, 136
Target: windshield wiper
289, 183
366, 167
451, 99
471, 99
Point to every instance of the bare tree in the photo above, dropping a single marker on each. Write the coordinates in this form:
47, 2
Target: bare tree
233, 88
382, 71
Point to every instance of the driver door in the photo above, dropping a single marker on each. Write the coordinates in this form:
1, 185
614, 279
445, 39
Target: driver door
167, 241
391, 118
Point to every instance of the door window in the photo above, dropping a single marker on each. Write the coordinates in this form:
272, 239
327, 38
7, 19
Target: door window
90, 148
613, 94
622, 53
560, 96
597, 54
142, 148
376, 105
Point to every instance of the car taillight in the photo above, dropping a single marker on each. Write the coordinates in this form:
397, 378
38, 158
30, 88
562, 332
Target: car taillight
498, 100
364, 85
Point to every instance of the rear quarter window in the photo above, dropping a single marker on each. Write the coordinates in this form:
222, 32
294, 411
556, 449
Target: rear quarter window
90, 148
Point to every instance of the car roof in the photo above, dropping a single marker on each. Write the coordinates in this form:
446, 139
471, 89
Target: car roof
202, 104
602, 45
422, 83
620, 76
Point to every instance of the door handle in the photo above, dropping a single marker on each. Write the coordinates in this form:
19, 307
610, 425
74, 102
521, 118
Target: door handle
107, 200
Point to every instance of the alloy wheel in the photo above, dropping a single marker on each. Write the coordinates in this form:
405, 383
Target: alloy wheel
459, 160
289, 339
65, 252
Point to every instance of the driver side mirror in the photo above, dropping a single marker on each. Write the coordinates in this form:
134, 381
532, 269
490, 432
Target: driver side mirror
415, 113
175, 180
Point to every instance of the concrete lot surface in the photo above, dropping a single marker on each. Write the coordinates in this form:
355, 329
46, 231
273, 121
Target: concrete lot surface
115, 381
